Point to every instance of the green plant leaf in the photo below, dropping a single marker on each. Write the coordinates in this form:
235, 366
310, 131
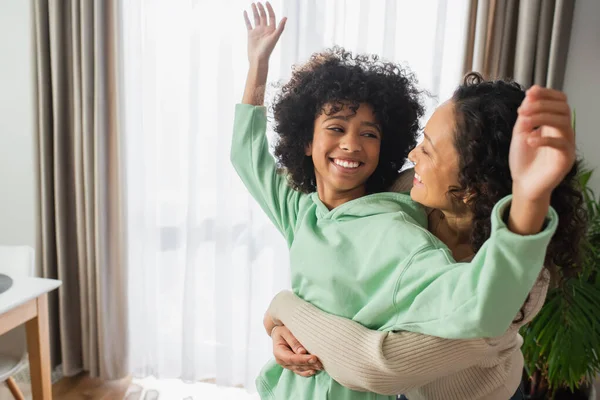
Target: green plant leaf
584, 177
563, 340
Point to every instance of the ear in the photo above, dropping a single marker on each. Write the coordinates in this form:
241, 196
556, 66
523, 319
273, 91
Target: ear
468, 196
308, 150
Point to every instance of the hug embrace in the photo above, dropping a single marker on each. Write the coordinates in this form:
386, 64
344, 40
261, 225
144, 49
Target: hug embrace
410, 283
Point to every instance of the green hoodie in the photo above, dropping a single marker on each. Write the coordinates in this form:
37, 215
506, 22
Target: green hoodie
372, 260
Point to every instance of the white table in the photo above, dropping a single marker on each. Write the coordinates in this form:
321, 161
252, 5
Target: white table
26, 302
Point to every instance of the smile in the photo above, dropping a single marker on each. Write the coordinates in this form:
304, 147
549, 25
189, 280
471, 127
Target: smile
347, 164
417, 180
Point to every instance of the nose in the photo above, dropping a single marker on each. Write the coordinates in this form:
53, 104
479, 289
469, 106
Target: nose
412, 156
350, 143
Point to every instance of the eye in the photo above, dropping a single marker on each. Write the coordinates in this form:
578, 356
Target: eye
336, 129
370, 135
423, 150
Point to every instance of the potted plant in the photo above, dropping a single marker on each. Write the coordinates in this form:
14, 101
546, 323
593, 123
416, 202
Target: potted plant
562, 344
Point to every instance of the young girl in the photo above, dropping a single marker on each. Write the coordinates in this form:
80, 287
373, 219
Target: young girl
337, 124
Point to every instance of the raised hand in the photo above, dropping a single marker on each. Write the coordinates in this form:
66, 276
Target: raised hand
542, 149
263, 37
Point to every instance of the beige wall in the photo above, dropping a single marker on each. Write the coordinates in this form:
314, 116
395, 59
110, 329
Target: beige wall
582, 81
582, 85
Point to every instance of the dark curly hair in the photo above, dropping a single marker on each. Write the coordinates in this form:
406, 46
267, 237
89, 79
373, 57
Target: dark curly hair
486, 112
338, 78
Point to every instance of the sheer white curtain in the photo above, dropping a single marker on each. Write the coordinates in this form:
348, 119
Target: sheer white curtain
204, 260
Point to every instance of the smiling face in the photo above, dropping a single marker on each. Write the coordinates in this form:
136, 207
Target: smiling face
436, 161
345, 152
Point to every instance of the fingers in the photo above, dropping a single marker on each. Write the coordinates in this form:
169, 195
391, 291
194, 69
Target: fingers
565, 140
272, 20
290, 354
256, 16
530, 122
262, 13
317, 366
545, 107
301, 370
261, 18
545, 141
538, 92
293, 342
281, 27
297, 368
539, 100
529, 107
285, 356
306, 374
287, 348
299, 364
247, 21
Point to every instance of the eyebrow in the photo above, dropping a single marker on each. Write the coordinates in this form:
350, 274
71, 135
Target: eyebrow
429, 139
346, 118
372, 124
341, 117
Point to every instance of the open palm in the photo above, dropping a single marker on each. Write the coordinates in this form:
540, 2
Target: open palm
542, 149
263, 37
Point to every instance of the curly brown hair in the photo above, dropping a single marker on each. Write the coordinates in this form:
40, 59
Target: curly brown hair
336, 77
486, 112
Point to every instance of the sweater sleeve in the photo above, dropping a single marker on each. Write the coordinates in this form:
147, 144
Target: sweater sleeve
375, 361
256, 167
477, 299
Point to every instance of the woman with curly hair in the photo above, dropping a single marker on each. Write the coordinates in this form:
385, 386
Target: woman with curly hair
342, 122
466, 150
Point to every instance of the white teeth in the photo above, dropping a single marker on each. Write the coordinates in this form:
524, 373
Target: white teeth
418, 177
346, 164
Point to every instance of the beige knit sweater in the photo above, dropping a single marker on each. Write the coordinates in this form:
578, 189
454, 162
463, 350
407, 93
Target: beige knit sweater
419, 366
422, 367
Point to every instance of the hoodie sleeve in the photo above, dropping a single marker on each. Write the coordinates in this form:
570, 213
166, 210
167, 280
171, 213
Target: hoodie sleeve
256, 167
478, 299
